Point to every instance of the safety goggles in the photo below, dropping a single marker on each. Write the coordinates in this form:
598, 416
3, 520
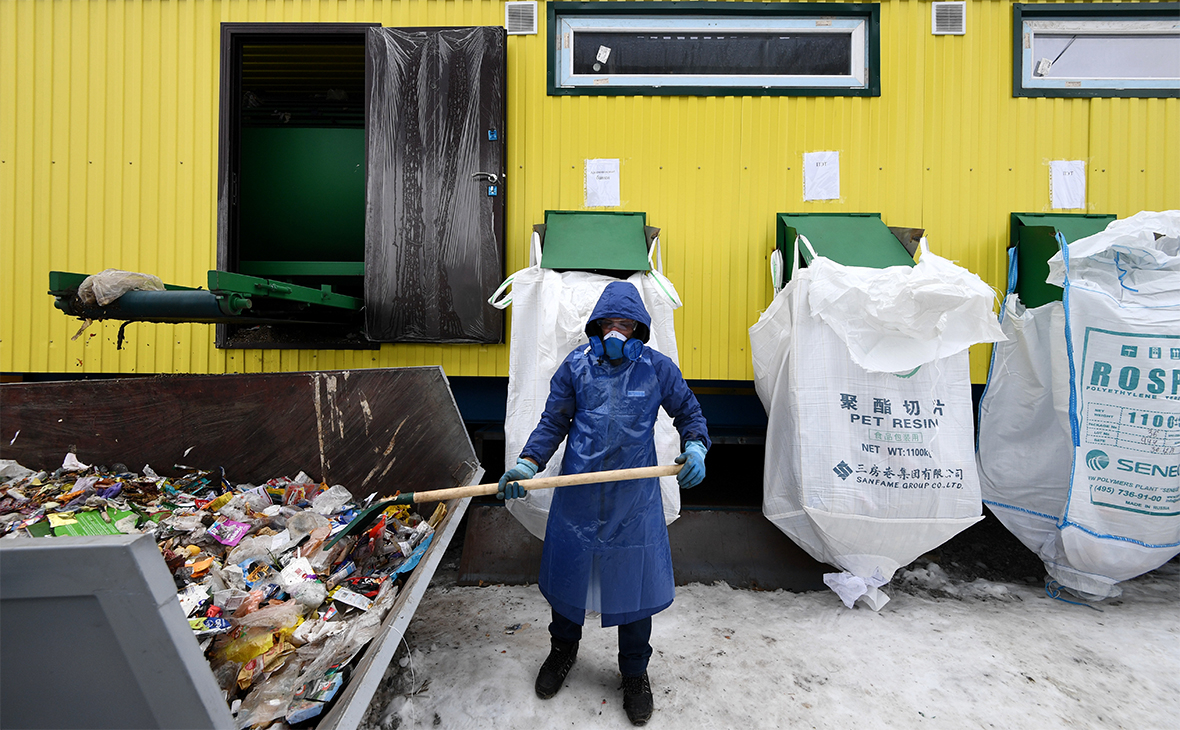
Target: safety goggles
625, 326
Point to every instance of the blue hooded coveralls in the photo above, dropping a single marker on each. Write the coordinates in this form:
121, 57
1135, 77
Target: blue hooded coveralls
606, 545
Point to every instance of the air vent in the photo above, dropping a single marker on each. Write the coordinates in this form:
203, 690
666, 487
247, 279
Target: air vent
948, 18
521, 18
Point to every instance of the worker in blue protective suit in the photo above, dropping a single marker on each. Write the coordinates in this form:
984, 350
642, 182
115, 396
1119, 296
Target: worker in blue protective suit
606, 545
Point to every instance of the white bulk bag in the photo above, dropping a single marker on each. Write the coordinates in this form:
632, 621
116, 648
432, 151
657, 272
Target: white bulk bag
869, 443
549, 313
1079, 428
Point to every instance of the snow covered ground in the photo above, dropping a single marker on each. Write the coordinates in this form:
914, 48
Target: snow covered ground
941, 654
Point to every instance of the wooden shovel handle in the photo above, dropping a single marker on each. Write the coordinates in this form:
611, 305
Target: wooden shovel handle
565, 480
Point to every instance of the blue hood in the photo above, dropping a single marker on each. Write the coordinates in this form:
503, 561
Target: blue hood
621, 300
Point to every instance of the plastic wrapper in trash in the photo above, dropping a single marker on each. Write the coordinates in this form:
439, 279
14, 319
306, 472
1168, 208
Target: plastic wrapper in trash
304, 523
315, 541
228, 532
270, 700
108, 285
309, 594
250, 548
297, 571
260, 577
265, 663
127, 525
185, 523
71, 463
226, 675
257, 499
250, 603
205, 626
331, 501
316, 630
311, 698
286, 615
230, 599
11, 471
254, 642
299, 489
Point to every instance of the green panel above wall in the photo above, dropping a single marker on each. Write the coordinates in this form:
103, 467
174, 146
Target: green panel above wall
302, 194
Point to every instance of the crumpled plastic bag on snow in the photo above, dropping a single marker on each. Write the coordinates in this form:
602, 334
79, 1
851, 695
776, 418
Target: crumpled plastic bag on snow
108, 285
852, 587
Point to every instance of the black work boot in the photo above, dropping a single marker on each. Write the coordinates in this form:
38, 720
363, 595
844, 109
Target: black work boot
637, 699
555, 668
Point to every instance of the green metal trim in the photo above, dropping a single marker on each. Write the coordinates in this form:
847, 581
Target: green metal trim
225, 282
1021, 11
871, 11
302, 268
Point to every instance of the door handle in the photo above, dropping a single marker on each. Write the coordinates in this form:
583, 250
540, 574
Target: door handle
491, 177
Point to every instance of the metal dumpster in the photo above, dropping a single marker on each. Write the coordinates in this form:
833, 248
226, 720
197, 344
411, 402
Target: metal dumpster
374, 431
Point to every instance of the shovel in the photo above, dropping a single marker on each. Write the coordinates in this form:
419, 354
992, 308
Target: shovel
369, 514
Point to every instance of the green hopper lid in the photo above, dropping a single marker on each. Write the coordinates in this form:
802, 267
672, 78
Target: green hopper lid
595, 241
1035, 237
852, 239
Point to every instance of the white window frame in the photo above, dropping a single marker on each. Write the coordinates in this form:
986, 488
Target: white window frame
1088, 19
854, 27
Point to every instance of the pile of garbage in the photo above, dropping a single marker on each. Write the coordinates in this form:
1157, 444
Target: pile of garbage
279, 614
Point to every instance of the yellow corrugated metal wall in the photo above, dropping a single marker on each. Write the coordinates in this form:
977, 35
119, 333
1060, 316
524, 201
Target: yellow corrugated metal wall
108, 158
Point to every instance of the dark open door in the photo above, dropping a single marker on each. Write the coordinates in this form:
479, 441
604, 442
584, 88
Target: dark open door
434, 219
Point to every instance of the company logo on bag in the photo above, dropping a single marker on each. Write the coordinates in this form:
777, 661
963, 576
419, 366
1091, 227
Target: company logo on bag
1129, 374
1097, 460
842, 470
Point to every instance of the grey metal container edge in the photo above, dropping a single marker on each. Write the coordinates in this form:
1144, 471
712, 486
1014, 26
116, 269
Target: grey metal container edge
374, 392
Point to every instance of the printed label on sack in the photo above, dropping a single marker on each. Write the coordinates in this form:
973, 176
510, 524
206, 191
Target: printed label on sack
894, 432
1129, 421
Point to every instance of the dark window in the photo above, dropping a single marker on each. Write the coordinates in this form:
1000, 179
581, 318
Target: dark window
722, 54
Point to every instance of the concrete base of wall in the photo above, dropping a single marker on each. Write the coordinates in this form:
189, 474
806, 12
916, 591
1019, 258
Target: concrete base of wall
740, 547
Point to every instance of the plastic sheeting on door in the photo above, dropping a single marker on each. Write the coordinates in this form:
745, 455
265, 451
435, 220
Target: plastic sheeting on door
1079, 428
434, 215
865, 380
549, 313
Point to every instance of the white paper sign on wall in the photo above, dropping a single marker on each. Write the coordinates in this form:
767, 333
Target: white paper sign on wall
1067, 184
821, 175
602, 183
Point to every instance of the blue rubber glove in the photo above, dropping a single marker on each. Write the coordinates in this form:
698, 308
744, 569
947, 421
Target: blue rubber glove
693, 459
509, 486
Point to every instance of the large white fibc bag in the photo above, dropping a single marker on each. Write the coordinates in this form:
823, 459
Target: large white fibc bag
1079, 428
869, 442
549, 313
